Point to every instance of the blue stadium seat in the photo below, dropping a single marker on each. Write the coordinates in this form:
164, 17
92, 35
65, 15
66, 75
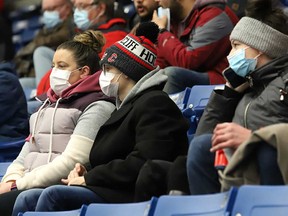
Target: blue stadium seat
3, 168
145, 208
181, 98
29, 92
284, 2
28, 35
26, 21
10, 150
261, 201
197, 205
77, 212
196, 103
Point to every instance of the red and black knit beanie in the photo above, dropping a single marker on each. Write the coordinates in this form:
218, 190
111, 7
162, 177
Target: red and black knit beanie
134, 55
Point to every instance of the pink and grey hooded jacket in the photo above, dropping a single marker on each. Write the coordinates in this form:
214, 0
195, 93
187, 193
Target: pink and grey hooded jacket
62, 132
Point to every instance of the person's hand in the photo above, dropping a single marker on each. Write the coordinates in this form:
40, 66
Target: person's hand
161, 22
77, 181
5, 187
79, 170
229, 135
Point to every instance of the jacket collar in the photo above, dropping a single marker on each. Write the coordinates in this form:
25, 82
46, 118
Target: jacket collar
86, 85
269, 71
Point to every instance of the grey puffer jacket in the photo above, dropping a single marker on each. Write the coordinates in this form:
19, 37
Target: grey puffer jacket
265, 103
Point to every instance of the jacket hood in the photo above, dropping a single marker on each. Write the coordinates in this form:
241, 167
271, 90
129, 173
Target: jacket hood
269, 71
86, 85
152, 79
202, 3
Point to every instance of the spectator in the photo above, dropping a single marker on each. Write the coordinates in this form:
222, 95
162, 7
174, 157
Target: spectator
58, 27
14, 118
198, 41
144, 9
89, 14
147, 125
99, 15
63, 129
260, 56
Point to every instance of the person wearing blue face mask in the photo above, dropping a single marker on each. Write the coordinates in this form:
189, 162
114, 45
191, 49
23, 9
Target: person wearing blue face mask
58, 27
100, 15
240, 64
255, 96
88, 14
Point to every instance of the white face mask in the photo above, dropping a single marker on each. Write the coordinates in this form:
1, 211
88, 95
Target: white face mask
108, 88
59, 80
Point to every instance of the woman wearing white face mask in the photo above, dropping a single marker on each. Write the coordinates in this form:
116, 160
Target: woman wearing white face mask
146, 125
255, 96
62, 131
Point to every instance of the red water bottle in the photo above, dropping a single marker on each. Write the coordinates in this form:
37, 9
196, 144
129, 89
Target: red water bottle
220, 160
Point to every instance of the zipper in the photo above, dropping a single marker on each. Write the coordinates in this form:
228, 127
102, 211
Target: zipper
245, 114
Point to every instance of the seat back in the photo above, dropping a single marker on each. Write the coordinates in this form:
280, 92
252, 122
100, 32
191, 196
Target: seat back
196, 103
145, 208
10, 150
261, 201
204, 205
3, 168
76, 212
181, 98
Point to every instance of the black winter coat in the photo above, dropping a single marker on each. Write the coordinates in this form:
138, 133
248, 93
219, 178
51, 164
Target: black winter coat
150, 126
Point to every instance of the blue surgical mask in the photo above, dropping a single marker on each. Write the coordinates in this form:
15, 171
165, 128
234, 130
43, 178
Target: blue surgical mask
81, 19
240, 65
51, 19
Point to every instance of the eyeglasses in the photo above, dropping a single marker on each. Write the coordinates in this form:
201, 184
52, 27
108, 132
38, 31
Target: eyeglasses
82, 6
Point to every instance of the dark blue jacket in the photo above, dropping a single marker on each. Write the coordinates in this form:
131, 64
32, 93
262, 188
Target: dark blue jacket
13, 105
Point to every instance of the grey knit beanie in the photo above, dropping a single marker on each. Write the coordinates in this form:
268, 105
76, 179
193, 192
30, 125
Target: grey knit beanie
260, 36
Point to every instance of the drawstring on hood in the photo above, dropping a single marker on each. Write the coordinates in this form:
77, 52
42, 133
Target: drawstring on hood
36, 119
51, 126
51, 131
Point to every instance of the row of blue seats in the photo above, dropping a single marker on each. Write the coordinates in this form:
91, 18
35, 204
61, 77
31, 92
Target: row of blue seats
26, 22
245, 201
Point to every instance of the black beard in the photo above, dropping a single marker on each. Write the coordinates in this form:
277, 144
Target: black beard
146, 18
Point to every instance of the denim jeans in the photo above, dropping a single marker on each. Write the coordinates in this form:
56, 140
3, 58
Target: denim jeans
55, 198
202, 176
180, 78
